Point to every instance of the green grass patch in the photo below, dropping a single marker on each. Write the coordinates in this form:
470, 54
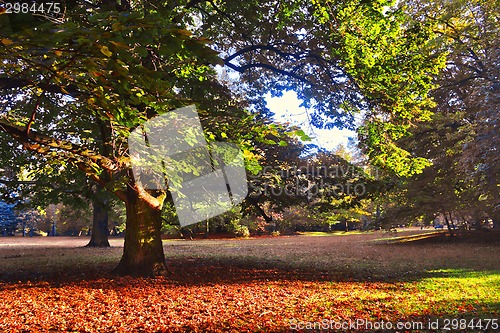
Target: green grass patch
444, 294
452, 291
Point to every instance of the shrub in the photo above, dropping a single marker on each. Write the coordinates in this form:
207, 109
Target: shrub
239, 230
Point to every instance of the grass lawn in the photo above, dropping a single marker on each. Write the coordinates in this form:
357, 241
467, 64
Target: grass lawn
266, 284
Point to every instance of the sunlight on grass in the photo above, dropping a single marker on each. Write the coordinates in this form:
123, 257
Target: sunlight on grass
332, 233
408, 238
446, 293
464, 288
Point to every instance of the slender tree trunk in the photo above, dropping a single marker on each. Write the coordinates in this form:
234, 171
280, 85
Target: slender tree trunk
496, 220
448, 224
452, 223
377, 217
476, 220
100, 232
143, 251
207, 228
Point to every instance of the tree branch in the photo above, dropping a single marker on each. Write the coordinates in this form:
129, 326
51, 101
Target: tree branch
256, 47
295, 56
76, 154
42, 144
244, 68
193, 3
7, 83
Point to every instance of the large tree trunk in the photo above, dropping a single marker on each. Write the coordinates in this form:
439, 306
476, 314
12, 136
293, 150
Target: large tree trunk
143, 251
100, 232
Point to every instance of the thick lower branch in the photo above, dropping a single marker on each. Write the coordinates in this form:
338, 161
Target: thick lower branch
83, 158
40, 143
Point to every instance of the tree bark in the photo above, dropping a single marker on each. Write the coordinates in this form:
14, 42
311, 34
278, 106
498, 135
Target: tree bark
143, 251
100, 232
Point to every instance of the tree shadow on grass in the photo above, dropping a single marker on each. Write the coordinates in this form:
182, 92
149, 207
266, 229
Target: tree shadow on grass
213, 267
484, 237
397, 268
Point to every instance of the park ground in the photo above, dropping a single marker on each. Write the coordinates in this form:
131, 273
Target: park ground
310, 283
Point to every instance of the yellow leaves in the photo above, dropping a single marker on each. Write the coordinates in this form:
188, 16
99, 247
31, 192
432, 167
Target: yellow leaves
449, 152
105, 50
248, 155
6, 41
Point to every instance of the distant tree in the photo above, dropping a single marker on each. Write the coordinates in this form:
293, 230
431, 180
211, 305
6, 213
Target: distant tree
309, 190
64, 220
8, 219
462, 138
30, 219
39, 182
269, 190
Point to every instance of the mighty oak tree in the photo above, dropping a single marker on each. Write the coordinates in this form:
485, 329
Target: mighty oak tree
74, 87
